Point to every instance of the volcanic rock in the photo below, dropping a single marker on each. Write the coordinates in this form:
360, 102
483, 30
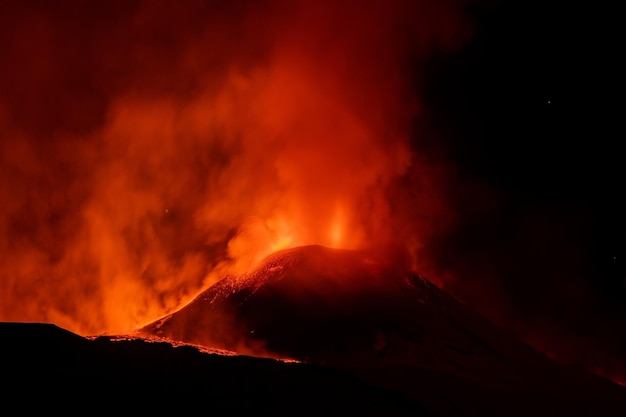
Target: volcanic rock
353, 311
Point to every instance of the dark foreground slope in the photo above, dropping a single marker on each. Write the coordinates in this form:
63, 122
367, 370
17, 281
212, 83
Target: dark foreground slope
388, 326
45, 369
376, 340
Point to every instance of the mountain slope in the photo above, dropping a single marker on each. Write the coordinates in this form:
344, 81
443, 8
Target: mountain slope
46, 369
350, 311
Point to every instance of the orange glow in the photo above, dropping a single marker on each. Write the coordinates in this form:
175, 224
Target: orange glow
337, 228
146, 156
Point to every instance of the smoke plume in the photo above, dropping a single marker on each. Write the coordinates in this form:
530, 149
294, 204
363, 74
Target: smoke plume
148, 148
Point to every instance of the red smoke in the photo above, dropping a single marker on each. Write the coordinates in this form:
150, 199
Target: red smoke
149, 148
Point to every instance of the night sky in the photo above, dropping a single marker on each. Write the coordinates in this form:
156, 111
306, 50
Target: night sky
527, 111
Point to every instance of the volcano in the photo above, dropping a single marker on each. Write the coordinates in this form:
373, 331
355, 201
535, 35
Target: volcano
310, 331
355, 312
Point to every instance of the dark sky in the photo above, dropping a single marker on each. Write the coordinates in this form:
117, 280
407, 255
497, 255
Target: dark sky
527, 110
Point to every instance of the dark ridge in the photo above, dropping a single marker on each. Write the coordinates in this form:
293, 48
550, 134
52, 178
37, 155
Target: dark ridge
47, 368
